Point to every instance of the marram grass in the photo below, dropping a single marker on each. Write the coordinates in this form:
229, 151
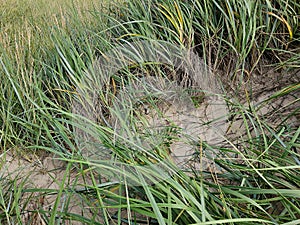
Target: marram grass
47, 48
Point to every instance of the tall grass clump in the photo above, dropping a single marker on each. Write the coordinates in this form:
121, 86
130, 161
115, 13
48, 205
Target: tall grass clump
29, 68
51, 60
232, 35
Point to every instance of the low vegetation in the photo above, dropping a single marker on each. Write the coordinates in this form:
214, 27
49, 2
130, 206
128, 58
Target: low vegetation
51, 59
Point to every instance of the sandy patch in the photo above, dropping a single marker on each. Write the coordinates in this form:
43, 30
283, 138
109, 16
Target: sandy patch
39, 181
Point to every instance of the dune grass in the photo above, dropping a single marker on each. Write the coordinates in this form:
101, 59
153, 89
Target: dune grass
46, 55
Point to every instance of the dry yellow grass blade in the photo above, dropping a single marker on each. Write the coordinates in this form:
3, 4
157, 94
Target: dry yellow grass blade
283, 20
175, 19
